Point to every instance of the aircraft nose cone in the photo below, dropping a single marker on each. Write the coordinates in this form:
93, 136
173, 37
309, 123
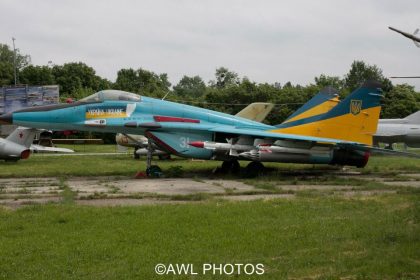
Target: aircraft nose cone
6, 118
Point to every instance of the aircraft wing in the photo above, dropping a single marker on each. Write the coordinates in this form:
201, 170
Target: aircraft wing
341, 143
239, 131
277, 136
44, 149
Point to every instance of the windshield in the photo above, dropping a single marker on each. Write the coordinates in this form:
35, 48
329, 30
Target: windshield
112, 95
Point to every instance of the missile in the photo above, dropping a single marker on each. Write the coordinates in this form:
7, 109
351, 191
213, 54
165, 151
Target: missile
220, 146
278, 149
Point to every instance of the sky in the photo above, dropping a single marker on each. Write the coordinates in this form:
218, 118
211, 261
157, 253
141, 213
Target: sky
266, 41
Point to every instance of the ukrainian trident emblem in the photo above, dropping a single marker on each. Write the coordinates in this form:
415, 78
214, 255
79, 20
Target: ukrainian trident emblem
355, 106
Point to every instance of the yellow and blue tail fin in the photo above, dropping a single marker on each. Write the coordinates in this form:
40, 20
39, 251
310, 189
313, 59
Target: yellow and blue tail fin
353, 119
321, 103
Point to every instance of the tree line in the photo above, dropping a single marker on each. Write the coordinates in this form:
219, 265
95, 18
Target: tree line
227, 92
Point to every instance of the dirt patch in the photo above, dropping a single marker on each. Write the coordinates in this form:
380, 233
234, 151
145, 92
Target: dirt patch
116, 191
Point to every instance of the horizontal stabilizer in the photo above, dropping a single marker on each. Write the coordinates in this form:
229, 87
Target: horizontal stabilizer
385, 152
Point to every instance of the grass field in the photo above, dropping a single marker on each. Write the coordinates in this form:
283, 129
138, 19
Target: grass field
39, 165
317, 234
308, 237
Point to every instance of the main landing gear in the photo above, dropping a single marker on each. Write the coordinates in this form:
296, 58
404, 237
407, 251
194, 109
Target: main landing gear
253, 169
230, 166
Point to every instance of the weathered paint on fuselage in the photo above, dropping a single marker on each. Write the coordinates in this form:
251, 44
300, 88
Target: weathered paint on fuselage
75, 116
128, 117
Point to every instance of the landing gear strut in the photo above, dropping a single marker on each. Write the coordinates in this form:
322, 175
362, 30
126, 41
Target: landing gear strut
254, 169
389, 146
151, 170
136, 156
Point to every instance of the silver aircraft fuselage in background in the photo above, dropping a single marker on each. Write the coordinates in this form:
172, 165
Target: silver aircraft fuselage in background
405, 131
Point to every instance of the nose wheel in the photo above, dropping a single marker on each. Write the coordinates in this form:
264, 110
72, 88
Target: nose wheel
152, 171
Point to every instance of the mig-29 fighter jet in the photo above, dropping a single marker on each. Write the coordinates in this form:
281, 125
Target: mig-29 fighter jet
341, 136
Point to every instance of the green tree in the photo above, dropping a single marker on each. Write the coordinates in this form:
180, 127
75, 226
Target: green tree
143, 82
37, 75
77, 78
190, 87
400, 102
6, 64
225, 78
334, 81
361, 72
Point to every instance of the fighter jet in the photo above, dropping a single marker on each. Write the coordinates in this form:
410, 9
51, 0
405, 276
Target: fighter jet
18, 145
415, 39
405, 131
341, 136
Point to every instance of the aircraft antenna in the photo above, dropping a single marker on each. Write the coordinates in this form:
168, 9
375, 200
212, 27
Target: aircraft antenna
166, 95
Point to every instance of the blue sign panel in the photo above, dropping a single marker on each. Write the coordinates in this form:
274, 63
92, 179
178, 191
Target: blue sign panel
19, 97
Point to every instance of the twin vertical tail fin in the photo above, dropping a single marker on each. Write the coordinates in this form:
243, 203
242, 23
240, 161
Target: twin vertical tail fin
354, 119
321, 103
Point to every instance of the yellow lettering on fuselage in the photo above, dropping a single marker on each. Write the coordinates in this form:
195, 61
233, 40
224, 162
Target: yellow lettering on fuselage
105, 113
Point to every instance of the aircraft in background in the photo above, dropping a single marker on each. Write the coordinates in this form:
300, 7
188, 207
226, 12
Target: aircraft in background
341, 136
413, 36
405, 131
44, 149
18, 145
139, 143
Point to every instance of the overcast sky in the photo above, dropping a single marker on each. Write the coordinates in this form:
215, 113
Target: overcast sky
267, 41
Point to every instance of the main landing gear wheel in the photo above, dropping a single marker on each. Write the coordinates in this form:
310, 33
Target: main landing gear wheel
231, 166
254, 169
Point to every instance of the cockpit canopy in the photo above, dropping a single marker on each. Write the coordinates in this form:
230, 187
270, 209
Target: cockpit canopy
111, 94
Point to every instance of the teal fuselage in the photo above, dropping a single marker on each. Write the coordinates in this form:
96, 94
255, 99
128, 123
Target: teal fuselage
171, 125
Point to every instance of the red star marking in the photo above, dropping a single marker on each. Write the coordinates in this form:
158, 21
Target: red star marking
20, 135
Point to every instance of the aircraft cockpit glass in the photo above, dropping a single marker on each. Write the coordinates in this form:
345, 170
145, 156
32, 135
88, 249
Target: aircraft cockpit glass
112, 95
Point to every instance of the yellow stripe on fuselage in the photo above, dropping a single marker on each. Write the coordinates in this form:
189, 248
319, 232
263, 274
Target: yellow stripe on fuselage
317, 110
349, 127
105, 115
